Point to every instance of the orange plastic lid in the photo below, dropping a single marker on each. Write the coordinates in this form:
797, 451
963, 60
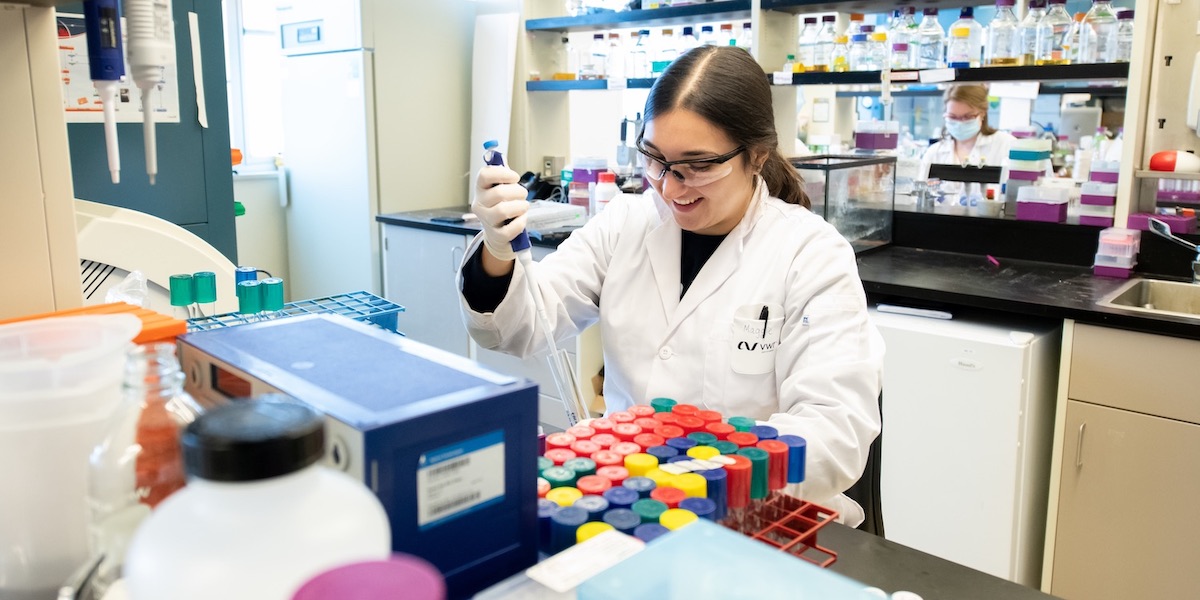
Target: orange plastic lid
156, 327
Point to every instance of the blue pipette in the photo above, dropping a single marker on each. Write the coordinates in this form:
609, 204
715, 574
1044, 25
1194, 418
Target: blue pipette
106, 62
560, 361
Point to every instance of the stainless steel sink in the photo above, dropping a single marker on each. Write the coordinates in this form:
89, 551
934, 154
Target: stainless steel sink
1157, 297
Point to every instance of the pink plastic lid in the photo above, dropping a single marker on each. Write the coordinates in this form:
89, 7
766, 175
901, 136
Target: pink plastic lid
608, 177
402, 576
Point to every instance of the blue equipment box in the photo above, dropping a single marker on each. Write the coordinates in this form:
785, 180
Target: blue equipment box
448, 446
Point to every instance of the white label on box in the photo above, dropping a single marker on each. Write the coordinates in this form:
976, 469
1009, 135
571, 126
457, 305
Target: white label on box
564, 571
937, 75
781, 77
617, 83
457, 479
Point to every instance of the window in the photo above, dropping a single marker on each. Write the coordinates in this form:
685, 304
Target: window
253, 67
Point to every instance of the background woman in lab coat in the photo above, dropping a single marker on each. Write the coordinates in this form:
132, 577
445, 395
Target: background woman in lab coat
683, 278
966, 135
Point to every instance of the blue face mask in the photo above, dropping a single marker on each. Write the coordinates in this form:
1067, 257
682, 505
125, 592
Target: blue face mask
963, 130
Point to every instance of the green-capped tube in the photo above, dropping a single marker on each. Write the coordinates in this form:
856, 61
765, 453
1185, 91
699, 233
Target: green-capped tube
543, 464
760, 463
725, 447
662, 404
649, 510
272, 294
182, 290
559, 477
742, 423
206, 286
249, 297
581, 466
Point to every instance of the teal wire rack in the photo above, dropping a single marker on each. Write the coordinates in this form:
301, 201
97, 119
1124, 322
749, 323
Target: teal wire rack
360, 306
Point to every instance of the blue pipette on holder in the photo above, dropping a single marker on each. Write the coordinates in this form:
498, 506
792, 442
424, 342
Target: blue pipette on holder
560, 361
106, 64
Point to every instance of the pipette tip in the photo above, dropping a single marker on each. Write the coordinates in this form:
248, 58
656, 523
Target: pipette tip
116, 176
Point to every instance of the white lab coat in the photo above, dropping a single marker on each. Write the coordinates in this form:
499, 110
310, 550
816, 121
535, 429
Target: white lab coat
990, 150
622, 269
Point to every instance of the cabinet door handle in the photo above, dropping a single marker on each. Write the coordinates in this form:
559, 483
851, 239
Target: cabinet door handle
455, 258
1079, 446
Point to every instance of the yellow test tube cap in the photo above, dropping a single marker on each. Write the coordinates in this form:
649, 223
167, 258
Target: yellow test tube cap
703, 452
640, 463
590, 530
564, 496
675, 518
692, 484
660, 477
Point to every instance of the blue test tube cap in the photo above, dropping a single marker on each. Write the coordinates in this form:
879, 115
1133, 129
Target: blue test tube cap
546, 510
682, 444
622, 519
563, 525
648, 532
717, 491
594, 505
703, 507
620, 497
241, 274
642, 485
679, 458
662, 453
765, 432
797, 449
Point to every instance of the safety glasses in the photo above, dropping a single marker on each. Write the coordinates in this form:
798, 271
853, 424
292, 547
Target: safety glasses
693, 172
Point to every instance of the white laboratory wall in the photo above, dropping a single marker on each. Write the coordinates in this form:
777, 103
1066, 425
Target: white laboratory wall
595, 120
262, 231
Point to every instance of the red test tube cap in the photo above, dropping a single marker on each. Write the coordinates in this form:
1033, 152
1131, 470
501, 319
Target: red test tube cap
709, 416
614, 473
744, 439
593, 485
737, 481
649, 440
668, 431
777, 451
559, 440
581, 432
685, 409
669, 496
585, 447
626, 431
625, 448
641, 410
606, 458
559, 455
604, 440
602, 425
623, 416
665, 418
647, 423
690, 424
721, 430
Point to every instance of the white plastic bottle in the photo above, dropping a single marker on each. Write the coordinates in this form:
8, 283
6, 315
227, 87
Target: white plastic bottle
606, 190
666, 51
858, 56
639, 56
707, 37
959, 48
259, 516
807, 44
931, 41
614, 66
746, 38
594, 58
688, 40
1056, 24
1003, 49
1033, 31
1099, 45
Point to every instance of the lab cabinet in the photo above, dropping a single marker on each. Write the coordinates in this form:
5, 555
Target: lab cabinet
1127, 510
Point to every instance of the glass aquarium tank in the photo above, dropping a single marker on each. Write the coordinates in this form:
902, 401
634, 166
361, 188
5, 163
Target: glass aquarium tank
856, 194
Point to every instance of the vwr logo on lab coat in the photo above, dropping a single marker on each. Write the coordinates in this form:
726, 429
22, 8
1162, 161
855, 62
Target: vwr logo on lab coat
757, 346
756, 334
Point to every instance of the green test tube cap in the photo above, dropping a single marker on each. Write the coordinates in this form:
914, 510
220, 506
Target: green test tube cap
272, 293
649, 509
760, 462
662, 404
702, 438
582, 466
725, 447
543, 464
559, 477
206, 286
742, 423
182, 290
249, 297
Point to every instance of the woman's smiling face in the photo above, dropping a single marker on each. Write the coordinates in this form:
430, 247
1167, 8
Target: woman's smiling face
713, 208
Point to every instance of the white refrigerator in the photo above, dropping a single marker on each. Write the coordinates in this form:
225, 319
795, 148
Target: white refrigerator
330, 149
968, 412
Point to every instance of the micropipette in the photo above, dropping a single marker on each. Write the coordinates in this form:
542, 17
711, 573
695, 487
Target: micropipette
102, 19
151, 51
560, 362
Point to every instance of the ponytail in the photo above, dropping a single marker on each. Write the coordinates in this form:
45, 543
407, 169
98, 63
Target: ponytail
783, 180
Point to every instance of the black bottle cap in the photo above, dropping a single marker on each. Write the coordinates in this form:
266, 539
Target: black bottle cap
252, 439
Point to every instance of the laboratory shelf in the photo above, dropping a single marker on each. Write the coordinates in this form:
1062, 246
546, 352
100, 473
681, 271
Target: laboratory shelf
360, 306
1099, 72
1094, 90
803, 7
691, 14
587, 84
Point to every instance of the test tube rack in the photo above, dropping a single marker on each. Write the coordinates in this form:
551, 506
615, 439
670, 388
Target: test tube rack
791, 525
360, 306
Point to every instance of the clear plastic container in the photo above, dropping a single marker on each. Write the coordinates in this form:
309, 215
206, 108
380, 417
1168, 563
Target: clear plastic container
1124, 35
746, 37
60, 381
959, 49
595, 58
975, 37
878, 52
904, 29
807, 44
839, 58
823, 52
931, 42
1003, 48
259, 515
666, 50
138, 464
901, 57
853, 193
1098, 38
859, 56
1057, 25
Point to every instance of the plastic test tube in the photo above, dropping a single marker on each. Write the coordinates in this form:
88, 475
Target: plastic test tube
742, 423
726, 447
668, 495
662, 405
594, 505
760, 467
715, 486
649, 440
593, 485
677, 518
648, 532
581, 466
694, 485
616, 475
777, 453
272, 292
668, 431
620, 497
205, 283
563, 525
584, 447
641, 410
642, 485
702, 438
546, 510
649, 510
559, 477
182, 295
639, 464
622, 519
607, 458
564, 496
662, 453
685, 409
721, 430
621, 416
590, 530
681, 444
559, 455
249, 299
739, 475
559, 440
765, 432
702, 507
797, 449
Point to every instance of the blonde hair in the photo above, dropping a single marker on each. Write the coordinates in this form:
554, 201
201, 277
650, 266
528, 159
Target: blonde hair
975, 96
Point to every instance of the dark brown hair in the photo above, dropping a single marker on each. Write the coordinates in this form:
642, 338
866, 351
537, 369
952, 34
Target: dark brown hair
975, 96
727, 87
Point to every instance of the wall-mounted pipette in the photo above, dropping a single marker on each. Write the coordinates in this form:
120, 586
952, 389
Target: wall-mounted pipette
151, 51
560, 361
102, 19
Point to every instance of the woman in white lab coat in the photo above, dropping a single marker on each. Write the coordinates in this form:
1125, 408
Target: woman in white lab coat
967, 138
683, 278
